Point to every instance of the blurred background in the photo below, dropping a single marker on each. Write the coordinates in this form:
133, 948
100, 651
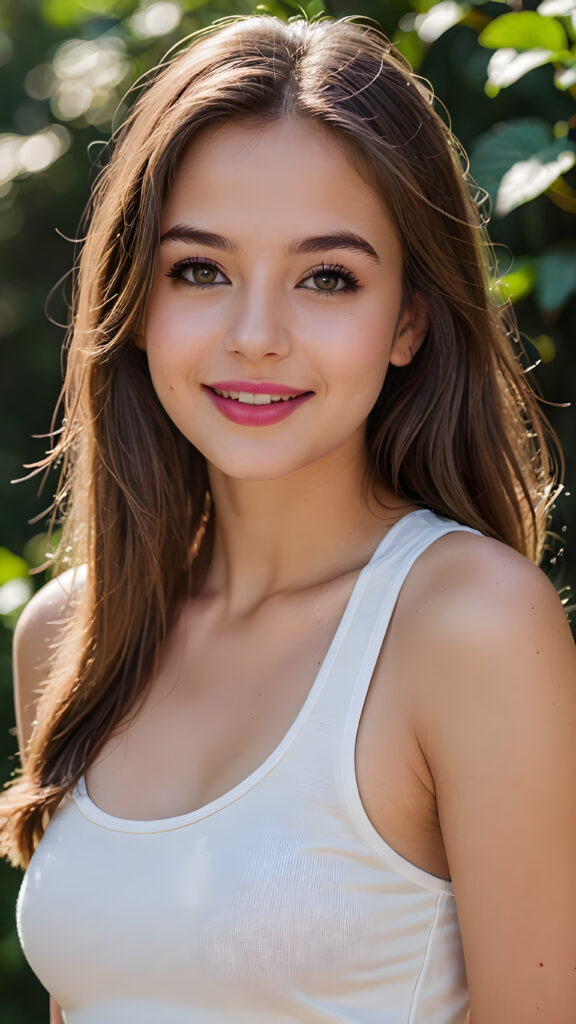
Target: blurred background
505, 71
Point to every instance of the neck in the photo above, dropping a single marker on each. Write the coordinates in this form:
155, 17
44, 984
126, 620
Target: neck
286, 534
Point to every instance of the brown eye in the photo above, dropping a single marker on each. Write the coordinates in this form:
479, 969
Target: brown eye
193, 271
330, 280
204, 274
327, 282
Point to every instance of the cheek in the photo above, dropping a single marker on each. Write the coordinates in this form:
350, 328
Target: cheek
165, 327
171, 339
359, 346
165, 355
172, 317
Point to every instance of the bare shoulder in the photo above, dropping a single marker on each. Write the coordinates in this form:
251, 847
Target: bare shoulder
466, 590
37, 634
484, 645
490, 628
463, 561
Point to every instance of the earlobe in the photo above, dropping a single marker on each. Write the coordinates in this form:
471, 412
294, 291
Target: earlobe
411, 334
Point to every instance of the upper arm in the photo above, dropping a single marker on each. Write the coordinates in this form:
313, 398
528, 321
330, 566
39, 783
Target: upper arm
498, 729
55, 1012
38, 632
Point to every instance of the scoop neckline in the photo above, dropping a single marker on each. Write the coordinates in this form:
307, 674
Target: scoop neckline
98, 816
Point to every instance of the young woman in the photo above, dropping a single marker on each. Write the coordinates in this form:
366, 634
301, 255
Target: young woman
298, 735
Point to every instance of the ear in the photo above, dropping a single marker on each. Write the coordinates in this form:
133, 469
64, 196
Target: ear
412, 329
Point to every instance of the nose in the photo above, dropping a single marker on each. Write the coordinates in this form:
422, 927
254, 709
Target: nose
258, 325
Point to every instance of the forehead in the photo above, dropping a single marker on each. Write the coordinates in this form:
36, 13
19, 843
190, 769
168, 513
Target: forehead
281, 175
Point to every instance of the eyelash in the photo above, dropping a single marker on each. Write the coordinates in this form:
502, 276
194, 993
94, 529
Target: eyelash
351, 282
177, 270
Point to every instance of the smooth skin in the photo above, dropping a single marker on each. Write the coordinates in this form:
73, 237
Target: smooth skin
466, 752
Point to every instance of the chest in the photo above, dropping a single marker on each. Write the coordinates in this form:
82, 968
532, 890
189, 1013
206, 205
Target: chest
222, 701
272, 904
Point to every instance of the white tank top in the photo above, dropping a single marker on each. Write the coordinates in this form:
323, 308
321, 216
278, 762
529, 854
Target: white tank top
277, 902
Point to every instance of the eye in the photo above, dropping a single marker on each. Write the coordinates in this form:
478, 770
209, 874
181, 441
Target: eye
197, 272
330, 279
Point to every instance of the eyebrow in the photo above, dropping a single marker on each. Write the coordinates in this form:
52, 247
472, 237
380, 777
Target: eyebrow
337, 240
314, 243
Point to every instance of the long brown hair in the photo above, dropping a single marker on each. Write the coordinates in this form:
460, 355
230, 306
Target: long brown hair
458, 430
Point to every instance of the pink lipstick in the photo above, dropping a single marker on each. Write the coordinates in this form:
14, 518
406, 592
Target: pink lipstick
239, 401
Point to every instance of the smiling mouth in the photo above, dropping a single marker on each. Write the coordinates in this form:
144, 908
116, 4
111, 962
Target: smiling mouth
250, 398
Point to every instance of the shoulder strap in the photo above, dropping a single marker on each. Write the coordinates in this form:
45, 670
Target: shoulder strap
345, 691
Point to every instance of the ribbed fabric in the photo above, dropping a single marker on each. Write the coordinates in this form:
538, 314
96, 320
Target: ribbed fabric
278, 902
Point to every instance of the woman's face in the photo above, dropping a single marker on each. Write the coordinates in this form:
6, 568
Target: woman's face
278, 270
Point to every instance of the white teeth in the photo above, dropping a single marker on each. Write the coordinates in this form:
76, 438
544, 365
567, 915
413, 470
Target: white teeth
249, 398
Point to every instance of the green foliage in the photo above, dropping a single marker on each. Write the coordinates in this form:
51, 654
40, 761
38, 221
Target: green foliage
508, 78
519, 281
556, 276
11, 566
519, 159
524, 30
15, 586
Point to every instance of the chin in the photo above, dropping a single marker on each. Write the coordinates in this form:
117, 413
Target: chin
250, 472
258, 465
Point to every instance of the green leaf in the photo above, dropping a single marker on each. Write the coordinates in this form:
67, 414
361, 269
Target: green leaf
545, 347
410, 46
435, 22
11, 566
95, 6
507, 66
15, 586
275, 7
524, 30
13, 596
557, 8
422, 5
529, 178
63, 13
519, 281
566, 78
41, 548
556, 276
315, 8
518, 160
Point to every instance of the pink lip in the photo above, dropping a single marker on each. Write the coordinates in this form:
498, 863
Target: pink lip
255, 415
256, 387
